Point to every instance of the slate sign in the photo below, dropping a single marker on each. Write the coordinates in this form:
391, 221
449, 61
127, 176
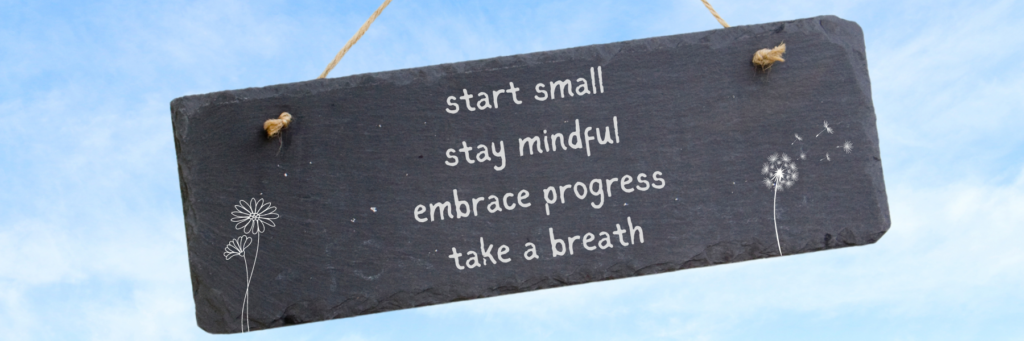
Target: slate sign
414, 187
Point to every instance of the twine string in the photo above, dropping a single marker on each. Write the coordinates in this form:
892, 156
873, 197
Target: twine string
354, 39
763, 58
712, 9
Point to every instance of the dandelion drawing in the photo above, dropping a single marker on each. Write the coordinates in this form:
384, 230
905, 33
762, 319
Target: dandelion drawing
798, 138
827, 129
251, 217
847, 147
780, 173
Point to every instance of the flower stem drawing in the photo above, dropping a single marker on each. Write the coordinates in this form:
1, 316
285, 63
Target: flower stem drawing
236, 247
780, 173
251, 217
245, 299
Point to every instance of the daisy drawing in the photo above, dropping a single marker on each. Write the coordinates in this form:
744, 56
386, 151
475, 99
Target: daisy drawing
236, 247
252, 217
780, 173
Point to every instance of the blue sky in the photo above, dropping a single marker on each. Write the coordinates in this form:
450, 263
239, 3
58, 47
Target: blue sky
91, 234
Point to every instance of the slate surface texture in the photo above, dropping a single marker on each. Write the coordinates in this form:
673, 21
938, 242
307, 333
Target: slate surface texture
337, 230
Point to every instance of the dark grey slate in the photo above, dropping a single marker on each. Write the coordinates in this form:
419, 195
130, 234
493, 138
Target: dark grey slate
365, 150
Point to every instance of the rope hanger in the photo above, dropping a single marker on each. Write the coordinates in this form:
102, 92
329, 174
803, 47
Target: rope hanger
275, 126
712, 9
354, 39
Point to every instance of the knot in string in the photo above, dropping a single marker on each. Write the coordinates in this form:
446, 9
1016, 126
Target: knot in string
766, 57
763, 57
274, 126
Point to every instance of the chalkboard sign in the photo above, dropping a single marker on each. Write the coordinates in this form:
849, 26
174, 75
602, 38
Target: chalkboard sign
458, 181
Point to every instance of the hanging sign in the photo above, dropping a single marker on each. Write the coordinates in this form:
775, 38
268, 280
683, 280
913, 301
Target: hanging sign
422, 186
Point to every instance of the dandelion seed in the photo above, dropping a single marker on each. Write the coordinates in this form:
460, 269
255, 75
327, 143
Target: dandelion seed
847, 147
798, 138
827, 158
803, 156
827, 128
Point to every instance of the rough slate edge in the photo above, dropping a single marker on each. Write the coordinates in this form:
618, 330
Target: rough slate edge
183, 108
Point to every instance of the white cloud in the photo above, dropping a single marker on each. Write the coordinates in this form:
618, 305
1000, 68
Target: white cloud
150, 311
945, 94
